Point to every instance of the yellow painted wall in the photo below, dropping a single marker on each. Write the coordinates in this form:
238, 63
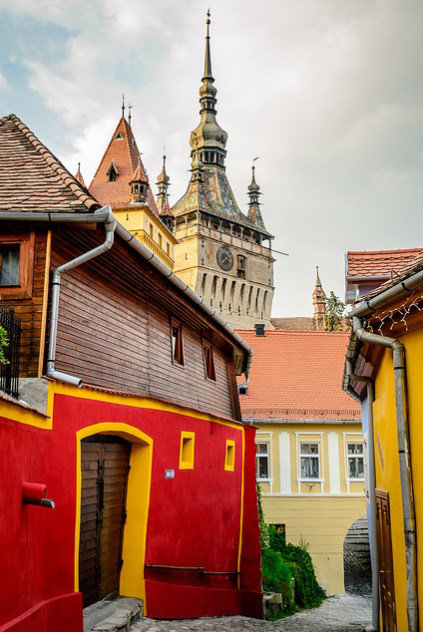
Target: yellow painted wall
387, 462
319, 513
141, 222
323, 523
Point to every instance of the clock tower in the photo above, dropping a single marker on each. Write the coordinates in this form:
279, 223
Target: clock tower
222, 254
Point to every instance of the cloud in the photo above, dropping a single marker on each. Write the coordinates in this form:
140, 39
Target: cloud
3, 82
328, 93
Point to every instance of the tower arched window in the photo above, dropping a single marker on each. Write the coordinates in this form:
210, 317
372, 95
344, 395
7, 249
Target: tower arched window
203, 284
223, 289
257, 300
250, 298
241, 296
265, 302
233, 285
214, 287
241, 264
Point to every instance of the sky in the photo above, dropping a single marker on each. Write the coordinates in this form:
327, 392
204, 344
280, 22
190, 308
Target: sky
328, 94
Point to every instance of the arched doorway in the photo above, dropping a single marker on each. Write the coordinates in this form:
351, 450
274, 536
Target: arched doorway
105, 469
127, 498
357, 565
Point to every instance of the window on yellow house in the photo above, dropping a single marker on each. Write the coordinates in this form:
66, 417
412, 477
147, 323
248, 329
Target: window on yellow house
160, 241
310, 460
262, 461
151, 230
186, 456
355, 461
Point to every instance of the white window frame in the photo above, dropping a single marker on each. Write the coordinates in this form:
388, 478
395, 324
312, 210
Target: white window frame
309, 437
354, 456
352, 437
266, 437
315, 456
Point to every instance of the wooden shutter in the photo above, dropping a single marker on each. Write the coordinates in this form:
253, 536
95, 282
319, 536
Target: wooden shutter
386, 568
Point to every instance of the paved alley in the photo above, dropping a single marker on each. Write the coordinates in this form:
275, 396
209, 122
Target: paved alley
336, 614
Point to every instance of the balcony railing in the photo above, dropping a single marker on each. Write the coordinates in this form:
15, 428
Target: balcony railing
9, 370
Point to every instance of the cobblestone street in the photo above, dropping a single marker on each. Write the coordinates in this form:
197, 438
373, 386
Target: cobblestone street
335, 615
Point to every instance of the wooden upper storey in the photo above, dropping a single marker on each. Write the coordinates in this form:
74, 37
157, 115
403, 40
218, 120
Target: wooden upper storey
122, 323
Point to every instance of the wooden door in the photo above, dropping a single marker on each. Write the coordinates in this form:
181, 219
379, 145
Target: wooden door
105, 468
386, 568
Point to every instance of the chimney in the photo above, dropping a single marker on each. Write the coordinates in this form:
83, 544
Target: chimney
259, 327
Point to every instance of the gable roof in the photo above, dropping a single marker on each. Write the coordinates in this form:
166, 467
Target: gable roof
378, 263
297, 375
32, 179
122, 151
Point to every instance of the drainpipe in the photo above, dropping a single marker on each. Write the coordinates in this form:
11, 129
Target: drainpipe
372, 496
110, 226
407, 495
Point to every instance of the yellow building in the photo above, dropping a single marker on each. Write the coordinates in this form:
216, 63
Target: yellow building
310, 453
122, 182
384, 370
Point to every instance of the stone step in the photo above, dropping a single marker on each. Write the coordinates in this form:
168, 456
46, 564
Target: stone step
113, 616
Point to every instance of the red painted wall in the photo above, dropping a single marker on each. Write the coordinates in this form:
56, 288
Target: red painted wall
194, 519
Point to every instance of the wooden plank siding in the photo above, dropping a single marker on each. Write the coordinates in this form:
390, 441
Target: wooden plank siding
114, 330
30, 310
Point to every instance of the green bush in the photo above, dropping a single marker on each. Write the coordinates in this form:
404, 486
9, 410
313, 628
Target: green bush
308, 593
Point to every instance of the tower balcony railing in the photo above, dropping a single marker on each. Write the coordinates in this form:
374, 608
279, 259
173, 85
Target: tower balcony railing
11, 337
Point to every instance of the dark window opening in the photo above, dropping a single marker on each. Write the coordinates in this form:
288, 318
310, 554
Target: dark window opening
9, 265
177, 343
209, 361
119, 136
241, 265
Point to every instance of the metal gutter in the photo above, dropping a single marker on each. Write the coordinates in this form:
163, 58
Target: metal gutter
103, 216
195, 298
374, 558
359, 334
110, 226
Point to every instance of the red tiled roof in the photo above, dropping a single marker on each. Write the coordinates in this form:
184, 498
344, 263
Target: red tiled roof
123, 151
379, 263
413, 267
297, 375
295, 323
32, 179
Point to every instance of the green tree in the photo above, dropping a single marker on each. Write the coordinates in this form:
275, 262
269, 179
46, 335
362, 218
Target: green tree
334, 314
4, 342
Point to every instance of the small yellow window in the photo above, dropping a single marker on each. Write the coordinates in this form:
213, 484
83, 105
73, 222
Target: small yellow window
186, 457
230, 455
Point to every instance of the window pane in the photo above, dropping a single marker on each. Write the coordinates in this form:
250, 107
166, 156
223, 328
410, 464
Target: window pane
353, 473
360, 468
309, 467
262, 448
10, 265
263, 467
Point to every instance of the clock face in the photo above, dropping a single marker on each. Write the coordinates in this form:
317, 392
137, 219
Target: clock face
224, 258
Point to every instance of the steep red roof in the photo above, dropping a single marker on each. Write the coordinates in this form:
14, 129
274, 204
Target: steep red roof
123, 152
379, 263
32, 179
297, 375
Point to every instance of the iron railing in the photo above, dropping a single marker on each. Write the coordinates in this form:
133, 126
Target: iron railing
9, 371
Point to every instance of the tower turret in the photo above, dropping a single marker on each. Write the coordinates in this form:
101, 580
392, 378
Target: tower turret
139, 186
163, 183
319, 304
254, 213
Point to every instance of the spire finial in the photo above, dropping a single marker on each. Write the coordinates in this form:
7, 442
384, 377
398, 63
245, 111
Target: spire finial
130, 114
123, 106
207, 59
79, 166
318, 282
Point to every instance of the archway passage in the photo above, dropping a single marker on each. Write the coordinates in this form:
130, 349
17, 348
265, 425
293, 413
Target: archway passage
357, 565
105, 469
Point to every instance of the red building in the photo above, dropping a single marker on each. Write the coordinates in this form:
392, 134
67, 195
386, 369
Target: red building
124, 411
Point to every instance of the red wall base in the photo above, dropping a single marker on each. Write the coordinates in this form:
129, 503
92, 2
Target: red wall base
173, 601
62, 613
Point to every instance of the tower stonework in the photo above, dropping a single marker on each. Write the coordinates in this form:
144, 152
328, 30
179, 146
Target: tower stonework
319, 304
222, 254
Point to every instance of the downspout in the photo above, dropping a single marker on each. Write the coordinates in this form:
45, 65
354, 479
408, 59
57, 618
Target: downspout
407, 495
110, 226
374, 627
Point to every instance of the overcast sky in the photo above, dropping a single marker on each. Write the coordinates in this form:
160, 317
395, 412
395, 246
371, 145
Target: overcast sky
327, 92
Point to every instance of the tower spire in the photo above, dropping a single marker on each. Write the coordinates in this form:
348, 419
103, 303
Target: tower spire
319, 304
208, 136
123, 106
